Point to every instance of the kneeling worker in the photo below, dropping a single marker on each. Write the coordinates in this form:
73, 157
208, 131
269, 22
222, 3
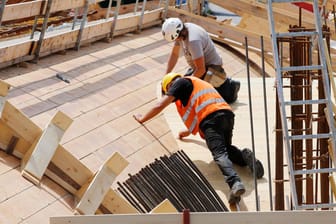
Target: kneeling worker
204, 111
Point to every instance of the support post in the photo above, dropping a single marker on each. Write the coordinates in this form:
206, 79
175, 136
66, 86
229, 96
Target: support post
38, 157
96, 189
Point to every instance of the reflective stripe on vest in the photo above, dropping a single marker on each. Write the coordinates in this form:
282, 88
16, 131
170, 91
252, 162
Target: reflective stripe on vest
204, 100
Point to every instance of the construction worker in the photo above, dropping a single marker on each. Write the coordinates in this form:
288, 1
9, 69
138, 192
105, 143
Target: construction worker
204, 111
200, 54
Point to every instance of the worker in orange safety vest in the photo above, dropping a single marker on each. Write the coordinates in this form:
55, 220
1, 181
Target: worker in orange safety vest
204, 111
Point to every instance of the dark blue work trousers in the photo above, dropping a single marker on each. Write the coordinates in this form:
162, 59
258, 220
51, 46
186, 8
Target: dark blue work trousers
217, 129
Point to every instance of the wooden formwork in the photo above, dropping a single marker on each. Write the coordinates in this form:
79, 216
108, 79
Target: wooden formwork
22, 49
41, 154
253, 25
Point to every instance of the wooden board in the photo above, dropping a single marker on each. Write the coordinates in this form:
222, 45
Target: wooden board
4, 88
20, 123
164, 207
22, 10
259, 10
37, 159
95, 192
298, 217
15, 51
37, 7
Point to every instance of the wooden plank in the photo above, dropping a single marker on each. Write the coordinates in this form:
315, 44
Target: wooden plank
4, 88
275, 217
68, 171
131, 22
116, 204
55, 43
333, 184
37, 159
22, 10
154, 15
62, 120
94, 30
61, 41
100, 184
259, 9
34, 8
72, 174
164, 207
60, 5
20, 123
330, 70
6, 134
15, 51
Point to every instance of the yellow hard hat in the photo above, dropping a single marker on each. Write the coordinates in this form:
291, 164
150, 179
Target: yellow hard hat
167, 79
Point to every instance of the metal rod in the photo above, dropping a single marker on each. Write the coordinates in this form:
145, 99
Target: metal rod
82, 26
266, 124
2, 9
251, 122
183, 155
142, 15
108, 9
43, 30
201, 189
115, 18
183, 186
129, 197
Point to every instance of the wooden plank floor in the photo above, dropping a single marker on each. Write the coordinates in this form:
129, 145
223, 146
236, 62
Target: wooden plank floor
109, 82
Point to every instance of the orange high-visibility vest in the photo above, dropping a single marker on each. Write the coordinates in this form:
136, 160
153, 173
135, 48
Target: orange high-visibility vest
203, 100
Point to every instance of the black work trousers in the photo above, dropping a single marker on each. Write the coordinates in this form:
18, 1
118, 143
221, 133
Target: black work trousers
217, 129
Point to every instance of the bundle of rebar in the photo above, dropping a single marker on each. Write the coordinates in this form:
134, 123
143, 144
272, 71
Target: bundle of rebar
175, 178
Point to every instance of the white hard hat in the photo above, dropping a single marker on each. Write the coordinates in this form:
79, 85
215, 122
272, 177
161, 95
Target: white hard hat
171, 28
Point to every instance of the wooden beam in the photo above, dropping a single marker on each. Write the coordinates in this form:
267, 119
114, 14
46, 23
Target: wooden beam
72, 174
333, 184
22, 10
15, 51
275, 217
96, 190
164, 207
6, 136
68, 171
36, 8
4, 88
20, 123
37, 158
259, 9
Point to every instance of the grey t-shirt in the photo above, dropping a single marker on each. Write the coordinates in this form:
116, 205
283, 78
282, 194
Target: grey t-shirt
199, 44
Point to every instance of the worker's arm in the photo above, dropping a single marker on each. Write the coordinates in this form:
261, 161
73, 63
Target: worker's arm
174, 55
183, 133
200, 69
163, 103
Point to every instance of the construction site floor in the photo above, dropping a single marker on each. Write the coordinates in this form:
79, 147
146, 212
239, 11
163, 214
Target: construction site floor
108, 83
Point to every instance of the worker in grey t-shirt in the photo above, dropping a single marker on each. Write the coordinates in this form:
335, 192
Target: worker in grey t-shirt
201, 55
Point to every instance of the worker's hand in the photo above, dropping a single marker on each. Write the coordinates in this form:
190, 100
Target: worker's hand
138, 118
183, 134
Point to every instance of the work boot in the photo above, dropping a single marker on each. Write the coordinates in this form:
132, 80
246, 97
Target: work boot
237, 190
248, 158
235, 85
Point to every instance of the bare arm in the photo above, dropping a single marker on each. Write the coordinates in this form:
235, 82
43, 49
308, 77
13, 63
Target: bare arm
199, 67
174, 55
158, 107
